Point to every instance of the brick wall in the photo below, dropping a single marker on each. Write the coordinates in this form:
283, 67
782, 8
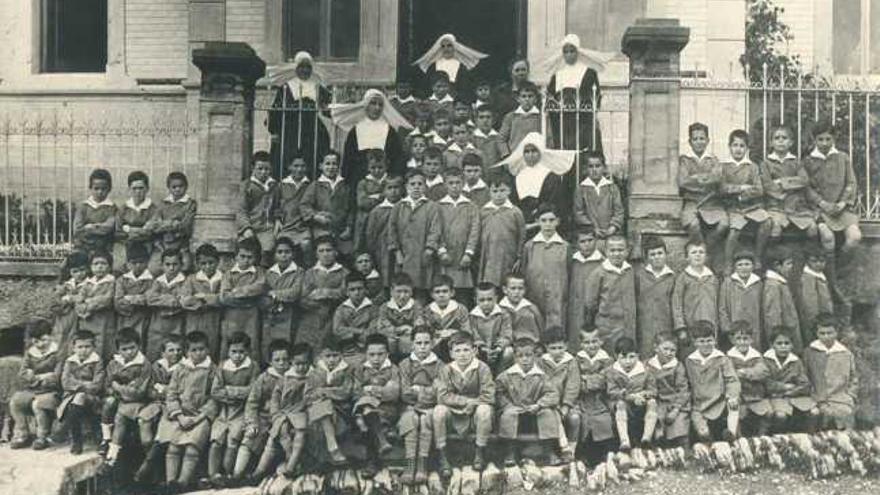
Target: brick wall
156, 38
246, 21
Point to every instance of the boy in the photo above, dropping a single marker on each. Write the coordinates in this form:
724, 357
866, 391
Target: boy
377, 392
525, 119
190, 410
418, 373
460, 225
352, 318
778, 305
82, 378
654, 284
815, 296
414, 232
257, 418
461, 110
544, 262
368, 193
743, 193
465, 398
563, 372
290, 216
202, 298
403, 99
474, 187
440, 99
435, 187
95, 221
130, 296
694, 296
442, 128
445, 316
502, 232
95, 306
333, 395
525, 318
523, 392
38, 397
832, 371
284, 284
752, 373
596, 422
740, 299
66, 296
461, 143
165, 297
323, 288
584, 261
175, 218
492, 328
376, 236
127, 387
418, 144
259, 201
327, 202
788, 387
363, 265
832, 189
673, 392
611, 295
241, 289
699, 177
633, 392
598, 202
483, 94
398, 317
133, 216
785, 188
715, 388
230, 389
486, 139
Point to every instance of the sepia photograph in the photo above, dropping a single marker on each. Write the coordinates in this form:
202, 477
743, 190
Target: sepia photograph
439, 247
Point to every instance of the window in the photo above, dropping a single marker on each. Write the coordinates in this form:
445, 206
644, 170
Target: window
856, 32
328, 29
600, 24
73, 35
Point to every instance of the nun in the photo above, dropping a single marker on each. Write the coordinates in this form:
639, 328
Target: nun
371, 123
454, 59
296, 118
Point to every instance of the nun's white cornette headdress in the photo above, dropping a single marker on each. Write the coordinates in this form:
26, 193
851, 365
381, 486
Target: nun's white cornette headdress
587, 58
557, 161
348, 115
464, 54
286, 73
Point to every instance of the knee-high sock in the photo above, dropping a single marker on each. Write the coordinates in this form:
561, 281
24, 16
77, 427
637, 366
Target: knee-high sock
215, 458
650, 421
296, 448
74, 417
330, 434
172, 462
242, 461
229, 457
733, 421
267, 459
43, 418
622, 422
189, 465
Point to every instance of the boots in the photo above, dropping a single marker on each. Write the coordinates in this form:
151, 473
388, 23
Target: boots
374, 425
479, 459
445, 466
421, 470
74, 419
408, 476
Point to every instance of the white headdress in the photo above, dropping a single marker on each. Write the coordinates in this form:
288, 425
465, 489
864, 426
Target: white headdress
557, 161
464, 54
586, 58
286, 73
348, 115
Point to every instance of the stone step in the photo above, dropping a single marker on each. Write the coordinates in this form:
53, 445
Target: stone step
48, 472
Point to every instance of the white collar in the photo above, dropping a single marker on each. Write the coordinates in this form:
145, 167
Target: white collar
138, 359
596, 255
636, 370
696, 356
566, 357
479, 185
228, 365
413, 203
91, 358
385, 364
455, 147
447, 200
103, 280
365, 303
432, 358
446, 99
606, 265
183, 199
218, 276
437, 180
385, 204
532, 111
333, 268
771, 354
236, 269
750, 354
179, 278
145, 204
478, 312
36, 353
342, 366
773, 275
600, 354
333, 183
752, 280
373, 275
263, 185
664, 271
604, 181
145, 275
374, 178
167, 367
481, 134
292, 373
818, 154
95, 205
408, 99
492, 206
187, 362
516, 369
810, 271
690, 154
775, 157
273, 372
744, 161
837, 347
523, 303
290, 180
704, 273
656, 364
475, 365
290, 269
393, 305
554, 239
453, 305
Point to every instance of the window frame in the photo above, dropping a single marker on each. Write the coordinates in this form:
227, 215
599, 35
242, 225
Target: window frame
864, 45
325, 34
41, 26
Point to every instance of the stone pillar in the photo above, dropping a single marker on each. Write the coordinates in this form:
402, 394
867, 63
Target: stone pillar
226, 122
653, 47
